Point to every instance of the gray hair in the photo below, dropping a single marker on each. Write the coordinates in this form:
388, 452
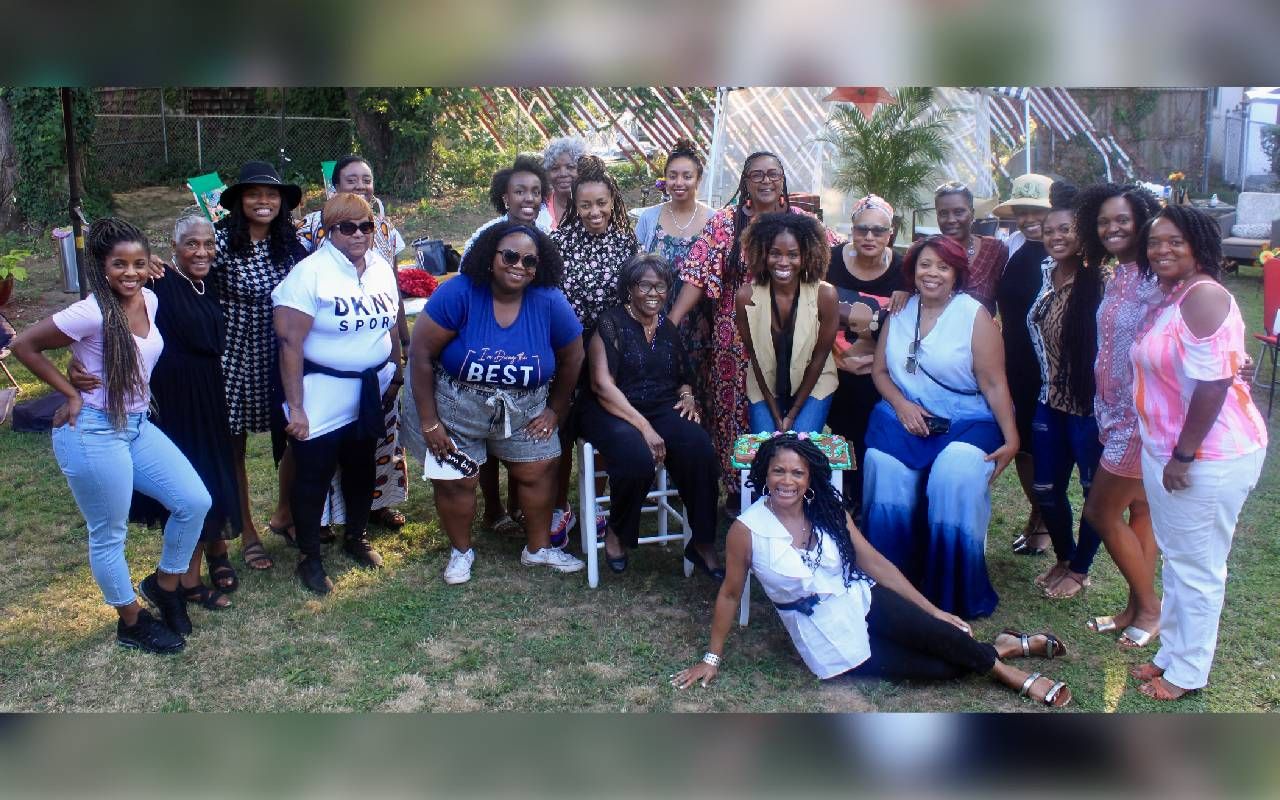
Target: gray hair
187, 221
630, 273
574, 146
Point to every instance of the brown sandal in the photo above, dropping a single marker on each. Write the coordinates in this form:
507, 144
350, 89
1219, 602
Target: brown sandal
256, 557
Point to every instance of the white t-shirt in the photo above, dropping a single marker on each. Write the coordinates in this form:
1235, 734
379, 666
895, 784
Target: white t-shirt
354, 316
82, 321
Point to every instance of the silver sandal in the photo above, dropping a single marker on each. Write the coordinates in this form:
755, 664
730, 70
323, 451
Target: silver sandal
1049, 696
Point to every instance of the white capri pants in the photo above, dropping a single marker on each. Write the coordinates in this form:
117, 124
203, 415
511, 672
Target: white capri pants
1194, 528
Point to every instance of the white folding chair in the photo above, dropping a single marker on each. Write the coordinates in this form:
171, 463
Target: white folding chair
744, 606
658, 501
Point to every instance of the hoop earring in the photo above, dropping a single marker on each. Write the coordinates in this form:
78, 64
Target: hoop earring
809, 494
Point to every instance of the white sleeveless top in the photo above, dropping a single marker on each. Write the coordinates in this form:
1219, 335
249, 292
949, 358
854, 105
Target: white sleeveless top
834, 639
947, 352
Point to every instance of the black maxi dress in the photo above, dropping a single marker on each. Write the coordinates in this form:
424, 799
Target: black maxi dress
190, 400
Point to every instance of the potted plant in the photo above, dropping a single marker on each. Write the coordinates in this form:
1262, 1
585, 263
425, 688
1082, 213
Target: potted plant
10, 272
893, 151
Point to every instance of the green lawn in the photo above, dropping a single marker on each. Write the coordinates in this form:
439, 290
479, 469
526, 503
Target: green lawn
520, 639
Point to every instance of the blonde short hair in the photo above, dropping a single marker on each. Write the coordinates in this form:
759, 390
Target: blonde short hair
345, 206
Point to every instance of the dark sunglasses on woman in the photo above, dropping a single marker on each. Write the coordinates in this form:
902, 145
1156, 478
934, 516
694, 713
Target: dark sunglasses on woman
349, 228
511, 258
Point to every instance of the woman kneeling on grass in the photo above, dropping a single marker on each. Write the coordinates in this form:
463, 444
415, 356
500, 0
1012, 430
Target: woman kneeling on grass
847, 608
103, 441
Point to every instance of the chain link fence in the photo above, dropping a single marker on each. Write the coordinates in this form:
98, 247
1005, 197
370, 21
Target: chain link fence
129, 151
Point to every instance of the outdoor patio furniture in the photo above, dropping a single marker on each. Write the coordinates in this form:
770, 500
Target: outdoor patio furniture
673, 525
1255, 222
1268, 338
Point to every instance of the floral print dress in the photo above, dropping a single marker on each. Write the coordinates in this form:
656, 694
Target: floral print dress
695, 328
708, 267
591, 265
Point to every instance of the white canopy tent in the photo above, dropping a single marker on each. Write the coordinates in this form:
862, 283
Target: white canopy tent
789, 120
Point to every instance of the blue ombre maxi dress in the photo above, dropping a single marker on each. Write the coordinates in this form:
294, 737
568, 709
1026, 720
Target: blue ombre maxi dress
926, 503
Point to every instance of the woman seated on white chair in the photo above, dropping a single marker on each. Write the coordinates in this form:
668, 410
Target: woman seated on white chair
642, 408
847, 608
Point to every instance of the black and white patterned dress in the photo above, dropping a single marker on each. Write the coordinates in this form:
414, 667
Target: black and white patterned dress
250, 360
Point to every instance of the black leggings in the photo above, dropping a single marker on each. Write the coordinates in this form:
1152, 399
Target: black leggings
315, 461
908, 644
691, 464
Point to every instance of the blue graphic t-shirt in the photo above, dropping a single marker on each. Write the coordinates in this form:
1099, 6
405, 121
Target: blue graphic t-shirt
520, 356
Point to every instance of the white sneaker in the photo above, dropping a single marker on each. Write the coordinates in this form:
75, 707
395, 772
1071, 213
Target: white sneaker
551, 557
459, 569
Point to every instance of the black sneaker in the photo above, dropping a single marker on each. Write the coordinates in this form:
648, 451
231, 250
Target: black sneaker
311, 573
359, 548
171, 605
148, 634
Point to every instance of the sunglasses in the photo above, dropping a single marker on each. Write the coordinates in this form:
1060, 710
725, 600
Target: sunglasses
511, 258
349, 228
877, 230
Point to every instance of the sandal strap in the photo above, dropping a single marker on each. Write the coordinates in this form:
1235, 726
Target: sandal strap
1052, 694
1026, 644
1026, 685
1051, 645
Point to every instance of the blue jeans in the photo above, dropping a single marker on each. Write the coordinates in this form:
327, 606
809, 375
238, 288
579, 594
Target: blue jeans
811, 419
1059, 442
103, 466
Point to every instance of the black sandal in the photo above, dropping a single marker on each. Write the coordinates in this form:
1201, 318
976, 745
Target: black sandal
255, 554
221, 573
206, 596
287, 533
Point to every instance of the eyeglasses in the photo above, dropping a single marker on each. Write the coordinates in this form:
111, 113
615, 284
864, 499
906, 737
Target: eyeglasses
511, 258
877, 230
349, 228
760, 176
644, 287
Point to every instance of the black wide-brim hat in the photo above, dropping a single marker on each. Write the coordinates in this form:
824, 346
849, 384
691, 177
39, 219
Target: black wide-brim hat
260, 173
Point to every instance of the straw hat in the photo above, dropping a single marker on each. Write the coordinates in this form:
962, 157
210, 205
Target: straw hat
1028, 190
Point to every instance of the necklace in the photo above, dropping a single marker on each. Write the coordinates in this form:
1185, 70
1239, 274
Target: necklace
650, 336
811, 557
973, 248
671, 212
197, 289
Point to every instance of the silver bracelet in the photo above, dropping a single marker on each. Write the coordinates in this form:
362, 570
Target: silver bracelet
431, 429
712, 659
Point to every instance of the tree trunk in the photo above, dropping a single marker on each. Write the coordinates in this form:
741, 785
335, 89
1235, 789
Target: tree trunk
10, 218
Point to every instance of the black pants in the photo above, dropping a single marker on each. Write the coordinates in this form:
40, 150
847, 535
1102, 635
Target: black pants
316, 460
691, 464
850, 415
908, 644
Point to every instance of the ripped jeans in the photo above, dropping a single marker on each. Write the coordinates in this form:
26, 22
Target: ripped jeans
1059, 442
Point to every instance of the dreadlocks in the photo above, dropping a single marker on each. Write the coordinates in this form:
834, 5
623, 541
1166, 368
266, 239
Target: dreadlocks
121, 366
1200, 231
740, 201
826, 510
758, 238
1089, 204
1078, 342
592, 170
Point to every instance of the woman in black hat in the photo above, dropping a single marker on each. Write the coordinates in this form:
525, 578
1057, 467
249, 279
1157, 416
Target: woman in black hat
256, 247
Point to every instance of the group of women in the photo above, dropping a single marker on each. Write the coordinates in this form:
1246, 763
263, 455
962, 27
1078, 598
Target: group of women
676, 335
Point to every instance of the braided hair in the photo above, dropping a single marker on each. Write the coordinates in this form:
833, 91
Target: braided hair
282, 237
815, 253
825, 511
1200, 231
685, 148
592, 170
121, 365
733, 266
1089, 204
1078, 342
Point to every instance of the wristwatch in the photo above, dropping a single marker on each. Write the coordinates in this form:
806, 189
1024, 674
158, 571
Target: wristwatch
1181, 459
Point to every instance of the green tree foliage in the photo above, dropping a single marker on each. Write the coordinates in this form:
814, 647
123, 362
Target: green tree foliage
1271, 146
893, 152
43, 191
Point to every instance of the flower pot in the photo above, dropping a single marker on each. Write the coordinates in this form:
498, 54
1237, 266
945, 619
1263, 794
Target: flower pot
6, 289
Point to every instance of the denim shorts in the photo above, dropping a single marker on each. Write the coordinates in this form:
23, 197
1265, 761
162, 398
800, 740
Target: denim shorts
484, 420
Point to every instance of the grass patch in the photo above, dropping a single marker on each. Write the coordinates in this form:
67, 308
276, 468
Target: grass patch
514, 639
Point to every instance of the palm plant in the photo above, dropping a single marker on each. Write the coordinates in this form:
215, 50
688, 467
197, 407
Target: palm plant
894, 151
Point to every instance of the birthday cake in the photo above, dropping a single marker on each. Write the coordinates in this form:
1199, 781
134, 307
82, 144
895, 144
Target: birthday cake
834, 447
